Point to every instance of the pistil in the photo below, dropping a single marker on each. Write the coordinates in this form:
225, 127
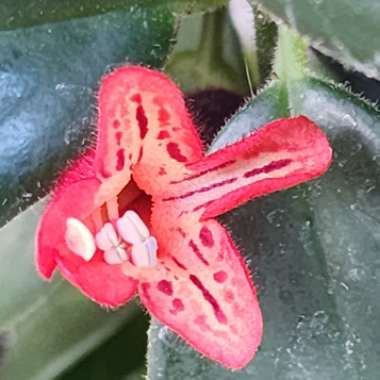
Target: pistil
109, 242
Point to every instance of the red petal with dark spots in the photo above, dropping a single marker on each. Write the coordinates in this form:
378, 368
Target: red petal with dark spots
145, 104
206, 295
281, 154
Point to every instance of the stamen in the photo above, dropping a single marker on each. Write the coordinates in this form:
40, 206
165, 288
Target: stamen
115, 255
108, 241
113, 209
145, 254
106, 238
131, 228
79, 239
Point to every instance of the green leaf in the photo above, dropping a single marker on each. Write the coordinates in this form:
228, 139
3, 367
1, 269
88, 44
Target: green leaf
48, 75
313, 250
26, 13
121, 357
347, 30
3, 346
207, 55
258, 37
48, 326
266, 37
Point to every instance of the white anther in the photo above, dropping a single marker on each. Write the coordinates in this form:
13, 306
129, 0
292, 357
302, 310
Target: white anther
106, 238
115, 255
108, 241
79, 239
145, 254
131, 228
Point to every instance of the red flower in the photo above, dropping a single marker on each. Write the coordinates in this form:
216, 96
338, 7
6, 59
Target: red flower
136, 213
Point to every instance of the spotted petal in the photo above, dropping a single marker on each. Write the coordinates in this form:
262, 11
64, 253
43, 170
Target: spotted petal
281, 154
144, 123
205, 294
74, 198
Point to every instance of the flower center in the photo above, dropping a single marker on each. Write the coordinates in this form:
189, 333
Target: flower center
120, 239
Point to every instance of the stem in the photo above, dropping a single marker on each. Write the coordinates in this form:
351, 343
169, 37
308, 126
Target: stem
290, 61
290, 65
211, 44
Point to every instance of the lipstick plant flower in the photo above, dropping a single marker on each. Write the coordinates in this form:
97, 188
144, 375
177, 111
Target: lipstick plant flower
136, 214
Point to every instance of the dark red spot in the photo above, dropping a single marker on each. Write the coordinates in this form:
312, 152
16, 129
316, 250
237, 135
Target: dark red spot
163, 135
116, 124
219, 315
130, 156
141, 152
166, 267
197, 252
181, 231
165, 287
142, 121
120, 159
220, 276
136, 98
178, 306
162, 171
163, 116
268, 168
178, 263
118, 136
175, 153
206, 204
202, 173
202, 190
205, 235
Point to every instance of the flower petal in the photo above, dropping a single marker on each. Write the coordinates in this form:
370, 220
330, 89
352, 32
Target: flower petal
142, 117
205, 294
106, 284
103, 283
281, 154
52, 225
74, 201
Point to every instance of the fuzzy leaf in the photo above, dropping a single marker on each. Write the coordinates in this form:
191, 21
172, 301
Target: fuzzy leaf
48, 75
347, 30
107, 362
26, 13
313, 249
48, 327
